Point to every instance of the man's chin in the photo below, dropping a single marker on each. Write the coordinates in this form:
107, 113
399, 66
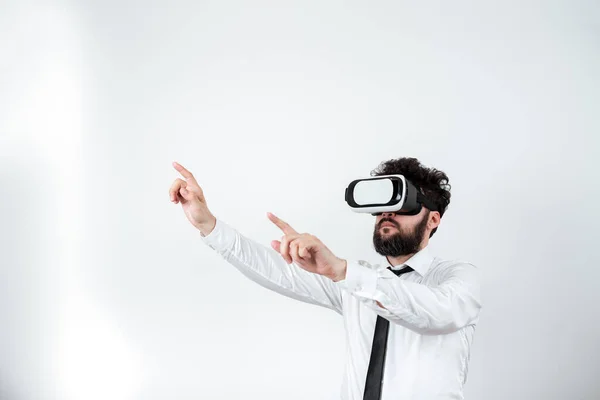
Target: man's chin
386, 237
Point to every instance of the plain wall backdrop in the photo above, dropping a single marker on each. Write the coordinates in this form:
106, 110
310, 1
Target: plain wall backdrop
106, 290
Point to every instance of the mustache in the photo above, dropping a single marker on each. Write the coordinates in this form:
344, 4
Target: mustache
391, 221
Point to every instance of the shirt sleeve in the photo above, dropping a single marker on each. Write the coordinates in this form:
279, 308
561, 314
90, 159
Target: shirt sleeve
447, 307
268, 268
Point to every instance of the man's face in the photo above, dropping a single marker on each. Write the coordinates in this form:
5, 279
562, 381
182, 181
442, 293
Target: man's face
399, 235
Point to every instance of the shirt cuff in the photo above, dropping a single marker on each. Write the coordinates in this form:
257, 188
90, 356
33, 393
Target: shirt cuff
221, 237
360, 279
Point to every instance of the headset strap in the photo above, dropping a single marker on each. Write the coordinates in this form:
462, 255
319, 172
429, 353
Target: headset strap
425, 201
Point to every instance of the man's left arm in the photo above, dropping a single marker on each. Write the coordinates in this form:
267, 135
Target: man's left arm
447, 307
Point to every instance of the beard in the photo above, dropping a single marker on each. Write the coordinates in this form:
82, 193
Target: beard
399, 243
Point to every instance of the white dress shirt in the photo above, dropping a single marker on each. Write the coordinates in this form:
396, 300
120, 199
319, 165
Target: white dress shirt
433, 312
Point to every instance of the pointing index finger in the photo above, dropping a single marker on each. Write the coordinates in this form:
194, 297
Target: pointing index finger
284, 226
186, 174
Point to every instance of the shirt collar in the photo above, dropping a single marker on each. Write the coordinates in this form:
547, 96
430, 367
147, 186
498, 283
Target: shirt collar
420, 261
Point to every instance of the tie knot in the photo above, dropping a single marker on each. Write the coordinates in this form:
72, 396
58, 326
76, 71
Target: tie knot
401, 271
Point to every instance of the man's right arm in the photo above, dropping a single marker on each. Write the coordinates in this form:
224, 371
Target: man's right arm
267, 267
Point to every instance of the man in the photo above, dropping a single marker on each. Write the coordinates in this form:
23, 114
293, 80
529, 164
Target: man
410, 318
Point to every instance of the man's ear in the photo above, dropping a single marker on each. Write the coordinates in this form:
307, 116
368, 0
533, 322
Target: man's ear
434, 219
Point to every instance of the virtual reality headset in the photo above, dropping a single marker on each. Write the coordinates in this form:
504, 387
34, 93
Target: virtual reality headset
386, 193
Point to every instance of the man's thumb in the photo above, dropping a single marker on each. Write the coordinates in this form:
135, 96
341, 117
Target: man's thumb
186, 194
275, 244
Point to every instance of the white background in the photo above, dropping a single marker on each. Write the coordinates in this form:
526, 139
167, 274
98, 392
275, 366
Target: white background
107, 292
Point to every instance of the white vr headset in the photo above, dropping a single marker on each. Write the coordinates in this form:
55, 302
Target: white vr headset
386, 193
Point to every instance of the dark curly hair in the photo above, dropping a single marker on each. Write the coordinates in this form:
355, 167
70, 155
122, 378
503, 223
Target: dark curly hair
432, 182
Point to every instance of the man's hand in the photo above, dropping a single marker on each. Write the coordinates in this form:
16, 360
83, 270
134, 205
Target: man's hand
308, 252
189, 193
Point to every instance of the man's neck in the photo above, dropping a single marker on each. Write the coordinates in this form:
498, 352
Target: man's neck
394, 261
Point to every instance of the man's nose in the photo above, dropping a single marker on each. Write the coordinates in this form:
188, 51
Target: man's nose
389, 214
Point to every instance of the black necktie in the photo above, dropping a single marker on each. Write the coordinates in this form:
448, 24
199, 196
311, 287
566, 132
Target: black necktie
377, 361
